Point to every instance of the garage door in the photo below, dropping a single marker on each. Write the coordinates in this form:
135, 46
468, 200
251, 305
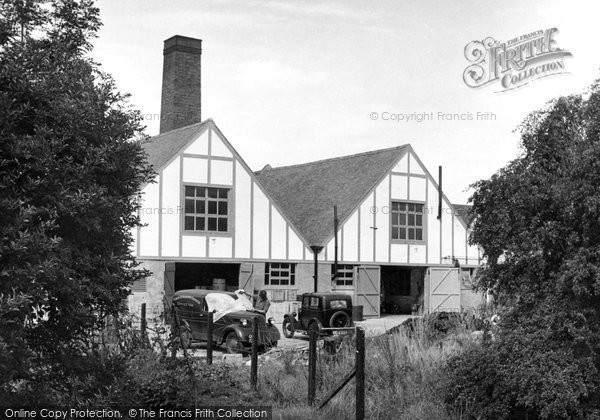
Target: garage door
444, 289
367, 290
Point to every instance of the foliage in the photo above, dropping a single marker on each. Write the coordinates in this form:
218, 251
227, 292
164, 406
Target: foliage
537, 221
69, 178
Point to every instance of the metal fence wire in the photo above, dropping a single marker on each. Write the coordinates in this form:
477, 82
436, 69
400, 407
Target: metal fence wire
336, 366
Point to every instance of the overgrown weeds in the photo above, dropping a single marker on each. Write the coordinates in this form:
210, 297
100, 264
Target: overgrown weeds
405, 376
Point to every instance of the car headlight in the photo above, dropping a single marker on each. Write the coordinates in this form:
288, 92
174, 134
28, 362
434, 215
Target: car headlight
294, 314
271, 320
244, 322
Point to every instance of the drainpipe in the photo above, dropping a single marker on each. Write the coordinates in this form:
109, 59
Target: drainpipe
316, 249
335, 234
440, 194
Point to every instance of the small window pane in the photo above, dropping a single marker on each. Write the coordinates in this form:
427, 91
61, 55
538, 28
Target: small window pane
419, 208
395, 206
199, 223
200, 207
411, 233
212, 207
419, 235
201, 192
212, 223
402, 233
223, 207
402, 219
189, 191
395, 218
189, 223
223, 192
222, 224
411, 220
189, 206
212, 193
394, 233
411, 207
419, 221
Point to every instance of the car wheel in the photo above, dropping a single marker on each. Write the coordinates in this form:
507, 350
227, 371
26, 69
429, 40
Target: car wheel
288, 328
185, 337
339, 320
233, 343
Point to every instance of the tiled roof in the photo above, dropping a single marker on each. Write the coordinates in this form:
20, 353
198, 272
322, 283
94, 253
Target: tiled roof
306, 193
162, 148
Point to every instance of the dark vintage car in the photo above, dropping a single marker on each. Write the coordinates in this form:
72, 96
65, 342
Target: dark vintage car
319, 310
233, 330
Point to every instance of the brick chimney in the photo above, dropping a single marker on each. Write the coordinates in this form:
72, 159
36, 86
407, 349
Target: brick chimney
180, 102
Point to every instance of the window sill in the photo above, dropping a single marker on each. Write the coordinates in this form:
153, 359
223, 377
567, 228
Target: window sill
206, 233
408, 242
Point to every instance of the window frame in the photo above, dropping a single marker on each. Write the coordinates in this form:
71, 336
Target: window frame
230, 210
422, 241
292, 272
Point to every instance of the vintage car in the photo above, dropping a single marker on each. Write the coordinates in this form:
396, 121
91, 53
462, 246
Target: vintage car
319, 310
232, 327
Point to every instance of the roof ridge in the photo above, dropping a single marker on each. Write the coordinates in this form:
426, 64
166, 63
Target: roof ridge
370, 152
177, 129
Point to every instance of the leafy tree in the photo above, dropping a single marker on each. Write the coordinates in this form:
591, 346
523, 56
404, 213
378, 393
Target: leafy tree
69, 178
538, 221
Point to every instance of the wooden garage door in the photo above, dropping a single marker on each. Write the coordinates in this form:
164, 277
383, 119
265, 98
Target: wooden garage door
444, 289
169, 283
368, 289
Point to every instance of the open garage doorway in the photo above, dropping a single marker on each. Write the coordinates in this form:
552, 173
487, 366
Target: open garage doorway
402, 290
211, 276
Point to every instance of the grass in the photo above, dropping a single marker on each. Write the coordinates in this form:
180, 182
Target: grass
404, 377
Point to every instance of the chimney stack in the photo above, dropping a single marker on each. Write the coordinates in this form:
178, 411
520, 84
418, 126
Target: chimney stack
180, 102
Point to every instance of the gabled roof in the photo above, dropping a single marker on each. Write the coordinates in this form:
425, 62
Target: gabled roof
162, 148
462, 212
306, 193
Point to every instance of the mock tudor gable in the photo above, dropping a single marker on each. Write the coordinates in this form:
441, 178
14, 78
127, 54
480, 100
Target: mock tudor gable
205, 203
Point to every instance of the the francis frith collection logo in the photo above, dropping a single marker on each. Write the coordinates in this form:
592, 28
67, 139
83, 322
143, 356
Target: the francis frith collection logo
516, 62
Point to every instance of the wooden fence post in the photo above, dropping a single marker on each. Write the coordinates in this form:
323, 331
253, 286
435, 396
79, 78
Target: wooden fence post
360, 374
143, 321
254, 358
209, 342
312, 365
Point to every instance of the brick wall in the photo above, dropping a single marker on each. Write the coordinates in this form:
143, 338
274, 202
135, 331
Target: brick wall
153, 296
283, 297
181, 83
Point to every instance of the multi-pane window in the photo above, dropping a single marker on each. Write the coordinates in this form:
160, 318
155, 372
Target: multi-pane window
344, 275
280, 274
206, 209
407, 221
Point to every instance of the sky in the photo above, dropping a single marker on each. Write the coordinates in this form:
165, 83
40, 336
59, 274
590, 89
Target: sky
289, 82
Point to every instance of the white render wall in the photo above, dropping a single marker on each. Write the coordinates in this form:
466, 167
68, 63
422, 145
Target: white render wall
259, 231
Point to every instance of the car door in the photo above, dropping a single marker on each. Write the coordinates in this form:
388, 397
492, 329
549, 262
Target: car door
199, 320
311, 309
